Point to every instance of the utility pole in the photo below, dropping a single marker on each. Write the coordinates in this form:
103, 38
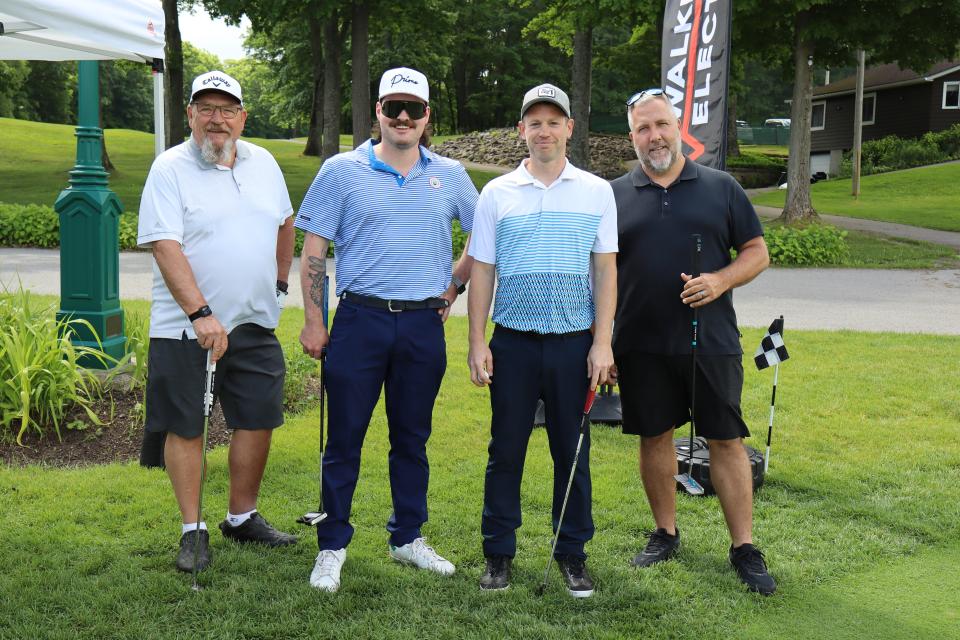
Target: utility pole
858, 124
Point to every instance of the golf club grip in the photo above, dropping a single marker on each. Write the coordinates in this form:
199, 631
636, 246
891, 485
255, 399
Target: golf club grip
697, 250
591, 396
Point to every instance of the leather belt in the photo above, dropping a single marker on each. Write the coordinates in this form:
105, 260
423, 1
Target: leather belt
396, 306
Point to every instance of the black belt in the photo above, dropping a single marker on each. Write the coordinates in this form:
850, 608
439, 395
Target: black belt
395, 305
542, 336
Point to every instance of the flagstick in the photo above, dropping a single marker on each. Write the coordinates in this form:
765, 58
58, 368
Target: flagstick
773, 402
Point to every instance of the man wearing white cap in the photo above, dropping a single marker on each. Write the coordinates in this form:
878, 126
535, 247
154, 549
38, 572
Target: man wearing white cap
388, 206
216, 214
546, 233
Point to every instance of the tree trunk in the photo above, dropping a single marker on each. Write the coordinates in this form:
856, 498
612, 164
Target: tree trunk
579, 150
798, 208
360, 85
173, 102
331, 86
733, 146
314, 131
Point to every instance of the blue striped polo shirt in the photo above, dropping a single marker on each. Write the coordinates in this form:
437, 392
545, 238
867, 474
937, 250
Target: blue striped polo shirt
541, 238
392, 235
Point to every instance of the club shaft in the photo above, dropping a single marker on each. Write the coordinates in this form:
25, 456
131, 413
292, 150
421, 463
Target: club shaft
207, 405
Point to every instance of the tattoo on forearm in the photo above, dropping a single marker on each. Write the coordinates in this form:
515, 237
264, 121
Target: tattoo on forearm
318, 272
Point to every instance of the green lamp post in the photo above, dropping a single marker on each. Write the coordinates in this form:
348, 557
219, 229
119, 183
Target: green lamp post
89, 220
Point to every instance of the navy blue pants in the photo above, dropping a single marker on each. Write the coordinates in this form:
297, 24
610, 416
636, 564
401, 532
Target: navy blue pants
526, 368
405, 354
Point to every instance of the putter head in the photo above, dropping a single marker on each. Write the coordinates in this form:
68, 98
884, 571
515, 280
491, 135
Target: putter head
312, 518
196, 587
687, 482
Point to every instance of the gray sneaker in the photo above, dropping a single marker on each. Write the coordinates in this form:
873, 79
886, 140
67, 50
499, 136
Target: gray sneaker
188, 542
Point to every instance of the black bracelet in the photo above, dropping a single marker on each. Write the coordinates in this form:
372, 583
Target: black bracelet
202, 312
281, 286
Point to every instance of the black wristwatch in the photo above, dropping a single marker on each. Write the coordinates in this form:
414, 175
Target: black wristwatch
458, 283
202, 312
282, 286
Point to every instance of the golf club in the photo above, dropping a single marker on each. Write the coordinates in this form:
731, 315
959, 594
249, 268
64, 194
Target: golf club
313, 518
207, 405
686, 479
591, 394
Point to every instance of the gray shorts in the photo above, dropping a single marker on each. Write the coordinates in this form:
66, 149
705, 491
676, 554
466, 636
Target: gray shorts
248, 382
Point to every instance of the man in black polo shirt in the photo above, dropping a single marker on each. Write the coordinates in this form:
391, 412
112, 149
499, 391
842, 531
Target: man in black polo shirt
664, 200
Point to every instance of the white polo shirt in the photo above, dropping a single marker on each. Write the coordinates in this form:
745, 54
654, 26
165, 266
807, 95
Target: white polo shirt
227, 221
540, 238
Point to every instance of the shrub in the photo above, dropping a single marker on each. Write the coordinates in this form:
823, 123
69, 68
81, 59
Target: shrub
891, 153
40, 378
948, 140
37, 225
812, 245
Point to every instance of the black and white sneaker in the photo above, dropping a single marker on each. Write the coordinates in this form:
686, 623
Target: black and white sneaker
258, 531
575, 574
751, 568
660, 546
497, 575
190, 541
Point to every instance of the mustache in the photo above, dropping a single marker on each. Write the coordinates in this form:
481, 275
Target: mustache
405, 123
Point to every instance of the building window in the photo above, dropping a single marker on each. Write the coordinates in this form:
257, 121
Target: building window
869, 108
818, 116
951, 95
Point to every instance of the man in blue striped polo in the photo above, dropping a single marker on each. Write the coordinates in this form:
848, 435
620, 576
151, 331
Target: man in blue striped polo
387, 206
540, 231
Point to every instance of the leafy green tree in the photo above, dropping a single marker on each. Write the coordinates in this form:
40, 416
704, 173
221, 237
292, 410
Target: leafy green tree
255, 77
126, 95
13, 73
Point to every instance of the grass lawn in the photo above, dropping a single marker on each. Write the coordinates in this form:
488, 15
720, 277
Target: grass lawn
36, 158
780, 150
859, 519
922, 197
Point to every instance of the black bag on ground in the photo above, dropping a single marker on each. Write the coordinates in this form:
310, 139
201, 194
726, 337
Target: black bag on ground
701, 463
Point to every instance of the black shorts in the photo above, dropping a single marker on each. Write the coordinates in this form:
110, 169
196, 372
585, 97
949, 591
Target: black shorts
655, 394
248, 382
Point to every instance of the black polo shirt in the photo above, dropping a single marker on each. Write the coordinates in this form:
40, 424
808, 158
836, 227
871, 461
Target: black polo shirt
655, 225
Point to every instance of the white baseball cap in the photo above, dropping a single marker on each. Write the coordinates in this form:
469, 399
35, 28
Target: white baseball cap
216, 81
404, 80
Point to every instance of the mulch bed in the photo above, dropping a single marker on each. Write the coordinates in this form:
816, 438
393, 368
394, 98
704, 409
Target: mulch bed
118, 439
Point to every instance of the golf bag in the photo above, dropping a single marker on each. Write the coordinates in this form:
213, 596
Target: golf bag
701, 463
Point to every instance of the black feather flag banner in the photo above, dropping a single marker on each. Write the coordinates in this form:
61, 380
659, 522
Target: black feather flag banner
772, 350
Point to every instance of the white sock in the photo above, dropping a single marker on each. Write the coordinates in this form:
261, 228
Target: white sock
190, 526
237, 519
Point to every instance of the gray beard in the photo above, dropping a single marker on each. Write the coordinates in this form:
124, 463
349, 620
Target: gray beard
212, 155
660, 167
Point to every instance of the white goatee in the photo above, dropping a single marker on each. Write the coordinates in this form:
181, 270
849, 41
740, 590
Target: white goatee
214, 155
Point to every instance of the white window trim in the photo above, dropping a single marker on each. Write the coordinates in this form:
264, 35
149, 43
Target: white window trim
943, 102
824, 125
873, 116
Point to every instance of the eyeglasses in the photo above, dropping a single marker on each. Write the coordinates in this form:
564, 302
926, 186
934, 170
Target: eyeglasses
632, 100
393, 108
229, 112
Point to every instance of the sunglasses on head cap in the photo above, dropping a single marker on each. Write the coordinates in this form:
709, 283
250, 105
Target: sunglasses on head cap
393, 108
655, 91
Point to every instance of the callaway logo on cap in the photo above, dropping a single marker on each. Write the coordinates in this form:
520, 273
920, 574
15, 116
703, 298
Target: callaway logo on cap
404, 80
216, 81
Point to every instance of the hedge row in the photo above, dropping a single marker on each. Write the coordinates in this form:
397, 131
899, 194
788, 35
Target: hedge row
892, 153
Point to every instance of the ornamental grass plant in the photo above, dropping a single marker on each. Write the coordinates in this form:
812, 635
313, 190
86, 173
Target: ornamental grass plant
40, 378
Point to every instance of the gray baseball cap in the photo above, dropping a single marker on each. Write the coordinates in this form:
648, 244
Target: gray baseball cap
546, 93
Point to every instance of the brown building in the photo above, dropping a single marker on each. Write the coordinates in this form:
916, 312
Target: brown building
896, 101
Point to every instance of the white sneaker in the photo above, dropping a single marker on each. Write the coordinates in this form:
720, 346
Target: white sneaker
326, 571
421, 555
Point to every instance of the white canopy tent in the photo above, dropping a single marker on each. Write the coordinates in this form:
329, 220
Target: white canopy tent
87, 30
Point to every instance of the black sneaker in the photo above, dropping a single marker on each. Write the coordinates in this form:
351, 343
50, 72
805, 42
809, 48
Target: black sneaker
575, 574
660, 546
257, 530
185, 555
497, 575
752, 570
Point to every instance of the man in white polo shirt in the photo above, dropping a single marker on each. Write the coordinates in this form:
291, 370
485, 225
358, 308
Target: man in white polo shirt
216, 214
541, 231
388, 206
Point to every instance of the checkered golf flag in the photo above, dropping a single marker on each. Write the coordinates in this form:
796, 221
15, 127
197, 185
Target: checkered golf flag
771, 349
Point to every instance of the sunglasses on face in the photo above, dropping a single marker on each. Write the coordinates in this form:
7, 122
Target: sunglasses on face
632, 100
393, 108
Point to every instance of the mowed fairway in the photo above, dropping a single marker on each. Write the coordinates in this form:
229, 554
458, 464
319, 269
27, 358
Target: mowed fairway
859, 519
36, 159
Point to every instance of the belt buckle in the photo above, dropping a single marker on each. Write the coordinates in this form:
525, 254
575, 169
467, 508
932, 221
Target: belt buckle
390, 307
